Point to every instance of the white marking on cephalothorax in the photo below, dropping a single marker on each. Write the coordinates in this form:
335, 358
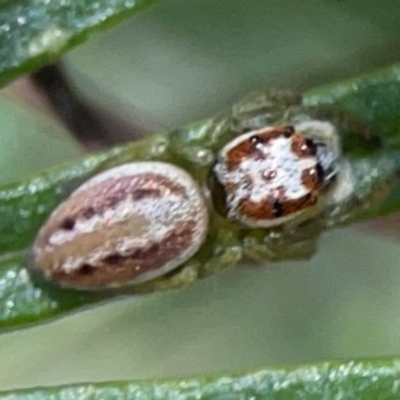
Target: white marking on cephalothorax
250, 176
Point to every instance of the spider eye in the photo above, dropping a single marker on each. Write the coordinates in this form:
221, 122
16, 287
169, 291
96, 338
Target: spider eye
312, 146
289, 131
256, 139
320, 173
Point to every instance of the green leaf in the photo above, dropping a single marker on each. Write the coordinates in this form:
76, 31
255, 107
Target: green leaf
23, 303
356, 380
25, 205
36, 32
375, 100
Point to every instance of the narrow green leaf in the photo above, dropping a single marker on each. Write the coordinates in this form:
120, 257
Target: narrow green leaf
36, 32
375, 100
24, 205
22, 302
356, 380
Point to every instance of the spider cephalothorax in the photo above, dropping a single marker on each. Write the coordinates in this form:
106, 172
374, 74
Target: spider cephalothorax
276, 173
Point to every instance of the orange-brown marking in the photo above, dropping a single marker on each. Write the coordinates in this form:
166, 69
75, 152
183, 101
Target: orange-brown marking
271, 207
302, 147
248, 148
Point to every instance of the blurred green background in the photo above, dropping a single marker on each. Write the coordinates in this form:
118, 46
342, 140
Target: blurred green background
178, 62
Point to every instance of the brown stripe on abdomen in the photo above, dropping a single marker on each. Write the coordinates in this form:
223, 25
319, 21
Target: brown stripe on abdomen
118, 268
